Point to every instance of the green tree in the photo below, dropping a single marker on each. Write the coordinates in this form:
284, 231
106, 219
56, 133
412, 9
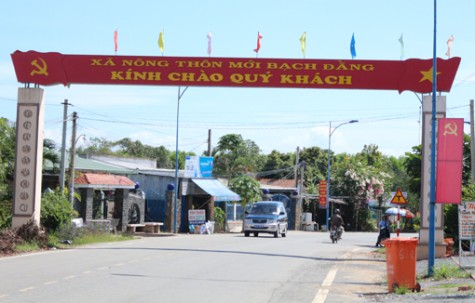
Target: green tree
50, 153
7, 158
247, 188
413, 168
181, 158
355, 178
97, 146
126, 147
234, 156
371, 156
278, 165
315, 162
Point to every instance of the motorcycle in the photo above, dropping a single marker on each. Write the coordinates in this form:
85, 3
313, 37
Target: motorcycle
335, 233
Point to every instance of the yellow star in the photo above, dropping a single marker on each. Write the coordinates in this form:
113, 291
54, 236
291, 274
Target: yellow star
428, 75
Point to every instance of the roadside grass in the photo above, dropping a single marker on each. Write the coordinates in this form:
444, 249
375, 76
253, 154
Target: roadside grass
27, 247
402, 290
87, 238
54, 242
449, 271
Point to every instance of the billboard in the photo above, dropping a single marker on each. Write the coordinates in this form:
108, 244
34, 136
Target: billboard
198, 167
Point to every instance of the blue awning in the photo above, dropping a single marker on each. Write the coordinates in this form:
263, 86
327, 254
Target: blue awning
217, 190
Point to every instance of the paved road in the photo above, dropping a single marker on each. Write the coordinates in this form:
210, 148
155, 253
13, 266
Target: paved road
303, 267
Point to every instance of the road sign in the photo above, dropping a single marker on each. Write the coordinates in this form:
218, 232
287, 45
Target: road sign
399, 198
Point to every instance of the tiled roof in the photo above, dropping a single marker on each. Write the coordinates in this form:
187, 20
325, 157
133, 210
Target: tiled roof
103, 181
282, 183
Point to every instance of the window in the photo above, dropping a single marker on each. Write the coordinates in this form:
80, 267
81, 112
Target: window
234, 212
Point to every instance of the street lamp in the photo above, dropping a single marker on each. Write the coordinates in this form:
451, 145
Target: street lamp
330, 133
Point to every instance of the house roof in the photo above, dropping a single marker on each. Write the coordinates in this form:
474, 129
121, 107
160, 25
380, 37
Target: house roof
90, 165
277, 183
103, 181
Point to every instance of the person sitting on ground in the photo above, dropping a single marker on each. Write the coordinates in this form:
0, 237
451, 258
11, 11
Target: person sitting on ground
384, 230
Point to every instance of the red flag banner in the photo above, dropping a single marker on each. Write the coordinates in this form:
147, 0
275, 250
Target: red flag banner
449, 160
116, 41
258, 47
412, 75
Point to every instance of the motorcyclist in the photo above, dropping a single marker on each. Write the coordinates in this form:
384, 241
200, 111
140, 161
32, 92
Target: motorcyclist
384, 230
337, 222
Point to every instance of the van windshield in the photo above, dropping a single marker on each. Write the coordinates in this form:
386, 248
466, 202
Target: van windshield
258, 209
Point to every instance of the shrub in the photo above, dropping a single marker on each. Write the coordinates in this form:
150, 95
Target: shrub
8, 241
219, 218
55, 210
31, 233
6, 214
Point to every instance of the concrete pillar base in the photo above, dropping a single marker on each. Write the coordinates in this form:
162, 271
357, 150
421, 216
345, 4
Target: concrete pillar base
423, 250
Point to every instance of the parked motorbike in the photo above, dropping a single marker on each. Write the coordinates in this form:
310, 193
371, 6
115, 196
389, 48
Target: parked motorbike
335, 234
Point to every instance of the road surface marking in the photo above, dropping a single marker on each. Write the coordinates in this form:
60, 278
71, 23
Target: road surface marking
50, 282
69, 277
103, 268
26, 289
3, 296
86, 272
323, 291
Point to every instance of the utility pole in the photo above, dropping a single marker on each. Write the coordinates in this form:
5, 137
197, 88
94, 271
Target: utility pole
72, 153
472, 140
296, 167
62, 168
209, 142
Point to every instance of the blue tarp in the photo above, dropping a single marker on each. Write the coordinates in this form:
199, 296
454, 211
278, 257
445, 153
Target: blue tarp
217, 190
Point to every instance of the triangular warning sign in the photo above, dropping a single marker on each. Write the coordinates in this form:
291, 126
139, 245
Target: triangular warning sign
399, 198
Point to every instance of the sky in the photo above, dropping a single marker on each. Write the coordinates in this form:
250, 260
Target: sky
274, 118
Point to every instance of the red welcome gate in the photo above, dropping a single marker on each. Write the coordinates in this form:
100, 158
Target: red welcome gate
412, 74
54, 68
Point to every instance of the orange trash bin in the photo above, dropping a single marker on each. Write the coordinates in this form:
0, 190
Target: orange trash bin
401, 263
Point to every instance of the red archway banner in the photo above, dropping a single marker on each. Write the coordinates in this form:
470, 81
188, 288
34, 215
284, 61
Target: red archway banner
413, 74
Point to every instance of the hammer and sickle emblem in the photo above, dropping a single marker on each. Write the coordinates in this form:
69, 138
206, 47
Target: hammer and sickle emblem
40, 69
24, 207
450, 129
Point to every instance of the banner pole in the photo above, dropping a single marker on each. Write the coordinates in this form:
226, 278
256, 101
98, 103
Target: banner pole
431, 248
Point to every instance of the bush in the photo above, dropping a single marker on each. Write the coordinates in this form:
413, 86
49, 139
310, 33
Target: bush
31, 233
219, 218
55, 210
8, 241
6, 214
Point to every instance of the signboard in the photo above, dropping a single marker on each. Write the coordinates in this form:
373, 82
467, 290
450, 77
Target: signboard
198, 167
196, 216
55, 68
467, 221
398, 198
322, 192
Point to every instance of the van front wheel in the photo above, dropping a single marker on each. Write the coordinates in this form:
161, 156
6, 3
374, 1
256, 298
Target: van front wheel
277, 232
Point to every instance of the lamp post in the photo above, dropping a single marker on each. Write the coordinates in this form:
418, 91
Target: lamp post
330, 133
180, 95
